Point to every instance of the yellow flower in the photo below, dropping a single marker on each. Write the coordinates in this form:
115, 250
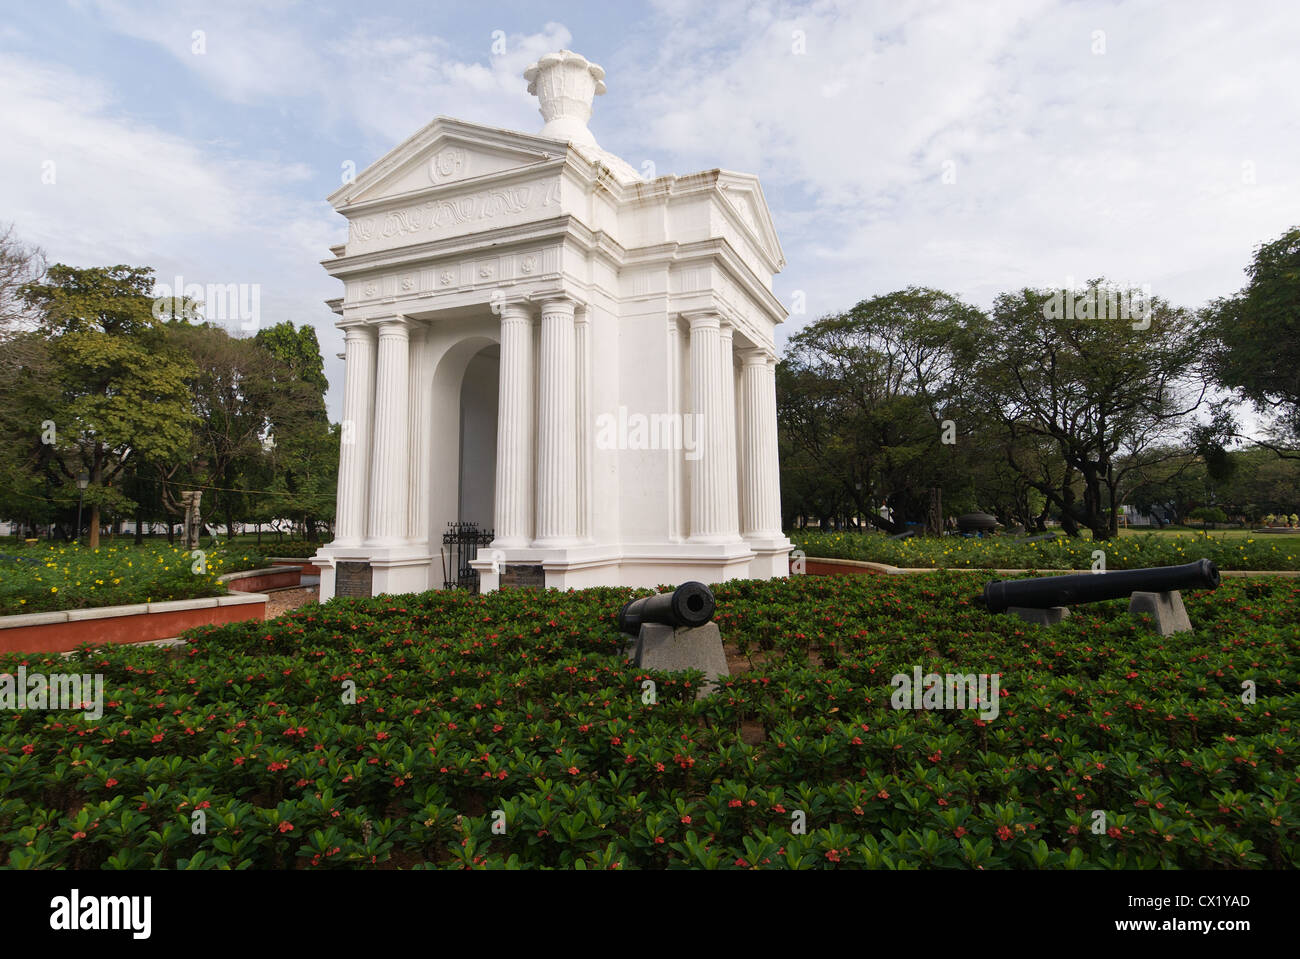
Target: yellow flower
54, 589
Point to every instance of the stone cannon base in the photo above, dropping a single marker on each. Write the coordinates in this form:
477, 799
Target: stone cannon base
672, 650
1040, 617
1168, 614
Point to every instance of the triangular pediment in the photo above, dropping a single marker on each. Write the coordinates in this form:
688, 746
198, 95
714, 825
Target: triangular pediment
746, 198
445, 151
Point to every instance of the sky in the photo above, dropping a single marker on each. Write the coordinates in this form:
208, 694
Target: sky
972, 147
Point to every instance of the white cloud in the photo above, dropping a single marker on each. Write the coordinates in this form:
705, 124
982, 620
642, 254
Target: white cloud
1067, 162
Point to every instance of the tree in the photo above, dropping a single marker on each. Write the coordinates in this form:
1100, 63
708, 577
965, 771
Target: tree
115, 391
304, 448
1256, 347
233, 391
864, 398
20, 265
1107, 385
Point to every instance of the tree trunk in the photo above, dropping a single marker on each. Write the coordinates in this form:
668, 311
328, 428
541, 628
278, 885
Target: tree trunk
97, 473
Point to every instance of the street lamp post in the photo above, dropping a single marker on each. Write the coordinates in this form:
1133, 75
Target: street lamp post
82, 482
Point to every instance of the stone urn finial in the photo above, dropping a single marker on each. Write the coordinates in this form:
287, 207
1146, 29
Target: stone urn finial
565, 83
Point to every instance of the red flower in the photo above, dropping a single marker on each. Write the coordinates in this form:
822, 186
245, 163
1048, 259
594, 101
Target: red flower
1114, 832
778, 808
883, 794
286, 826
959, 831
78, 835
29, 749
1005, 833
659, 840
686, 820
111, 783
735, 804
833, 855
573, 770
157, 738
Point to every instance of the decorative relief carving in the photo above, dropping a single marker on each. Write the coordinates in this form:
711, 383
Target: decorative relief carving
528, 263
485, 272
408, 283
443, 213
447, 278
447, 163
370, 290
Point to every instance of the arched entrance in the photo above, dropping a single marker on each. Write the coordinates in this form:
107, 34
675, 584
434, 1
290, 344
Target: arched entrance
463, 430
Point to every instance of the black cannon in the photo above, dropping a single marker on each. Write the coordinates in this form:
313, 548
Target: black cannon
1050, 591
690, 604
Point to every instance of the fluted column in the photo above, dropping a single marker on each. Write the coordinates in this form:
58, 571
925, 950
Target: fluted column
557, 504
354, 448
582, 339
421, 437
513, 514
713, 515
760, 513
732, 473
771, 455
389, 472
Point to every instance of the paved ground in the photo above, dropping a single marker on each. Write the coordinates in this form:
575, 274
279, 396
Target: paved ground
282, 601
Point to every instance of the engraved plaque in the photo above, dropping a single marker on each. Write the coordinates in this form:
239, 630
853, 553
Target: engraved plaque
521, 576
352, 579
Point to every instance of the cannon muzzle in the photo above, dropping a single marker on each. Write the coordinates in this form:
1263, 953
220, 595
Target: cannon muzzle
1048, 591
690, 604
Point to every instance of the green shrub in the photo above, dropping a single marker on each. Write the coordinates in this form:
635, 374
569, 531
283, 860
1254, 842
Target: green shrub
45, 577
396, 731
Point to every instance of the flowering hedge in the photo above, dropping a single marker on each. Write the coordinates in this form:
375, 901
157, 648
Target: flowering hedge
36, 579
1003, 552
453, 731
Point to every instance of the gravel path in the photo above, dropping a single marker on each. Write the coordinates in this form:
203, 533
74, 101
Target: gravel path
284, 600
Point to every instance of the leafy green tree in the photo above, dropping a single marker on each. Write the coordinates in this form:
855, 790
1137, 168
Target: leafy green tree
1256, 350
864, 403
1109, 384
304, 447
116, 390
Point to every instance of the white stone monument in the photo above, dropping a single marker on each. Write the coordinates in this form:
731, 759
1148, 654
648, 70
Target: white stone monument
541, 341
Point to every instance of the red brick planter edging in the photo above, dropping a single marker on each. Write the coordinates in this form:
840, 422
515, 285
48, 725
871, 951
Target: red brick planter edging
59, 632
278, 576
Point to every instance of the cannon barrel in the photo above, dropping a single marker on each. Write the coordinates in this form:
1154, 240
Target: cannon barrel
690, 604
1048, 591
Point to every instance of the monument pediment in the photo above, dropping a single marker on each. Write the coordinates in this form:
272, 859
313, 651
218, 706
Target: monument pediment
746, 198
445, 151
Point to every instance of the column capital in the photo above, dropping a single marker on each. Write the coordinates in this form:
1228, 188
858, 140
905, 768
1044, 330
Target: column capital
516, 311
757, 356
556, 298
564, 305
703, 319
357, 330
395, 325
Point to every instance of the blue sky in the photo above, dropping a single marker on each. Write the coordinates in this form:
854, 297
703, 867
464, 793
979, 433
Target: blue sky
974, 147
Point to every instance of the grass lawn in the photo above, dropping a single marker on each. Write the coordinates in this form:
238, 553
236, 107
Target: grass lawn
507, 731
41, 577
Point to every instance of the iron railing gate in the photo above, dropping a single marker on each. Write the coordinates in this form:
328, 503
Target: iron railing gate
460, 544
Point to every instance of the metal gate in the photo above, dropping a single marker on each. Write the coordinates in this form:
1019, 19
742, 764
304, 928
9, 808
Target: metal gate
460, 544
